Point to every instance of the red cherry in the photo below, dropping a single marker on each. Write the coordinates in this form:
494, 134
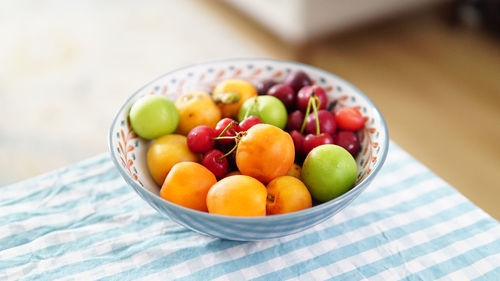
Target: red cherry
216, 163
249, 123
326, 123
349, 118
348, 140
199, 139
264, 86
295, 121
221, 125
284, 93
298, 142
306, 92
311, 141
297, 80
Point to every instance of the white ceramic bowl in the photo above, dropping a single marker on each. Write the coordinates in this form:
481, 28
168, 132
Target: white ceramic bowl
129, 151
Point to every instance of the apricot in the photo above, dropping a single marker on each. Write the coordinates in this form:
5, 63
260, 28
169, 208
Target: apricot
233, 173
230, 94
187, 185
165, 152
195, 109
287, 194
237, 195
295, 171
265, 152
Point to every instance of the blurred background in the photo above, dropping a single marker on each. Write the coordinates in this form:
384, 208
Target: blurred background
431, 66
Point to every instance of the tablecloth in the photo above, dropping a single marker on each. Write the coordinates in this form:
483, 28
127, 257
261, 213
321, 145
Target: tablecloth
84, 223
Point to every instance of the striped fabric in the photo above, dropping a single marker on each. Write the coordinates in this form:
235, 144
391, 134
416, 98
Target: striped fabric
84, 223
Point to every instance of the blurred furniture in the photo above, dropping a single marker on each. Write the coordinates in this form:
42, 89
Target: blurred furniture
478, 13
300, 21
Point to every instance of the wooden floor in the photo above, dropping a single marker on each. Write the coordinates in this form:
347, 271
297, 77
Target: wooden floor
438, 87
439, 90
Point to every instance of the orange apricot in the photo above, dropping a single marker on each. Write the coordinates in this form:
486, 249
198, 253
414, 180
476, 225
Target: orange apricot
165, 152
237, 196
233, 173
265, 152
230, 94
295, 171
287, 194
196, 108
187, 185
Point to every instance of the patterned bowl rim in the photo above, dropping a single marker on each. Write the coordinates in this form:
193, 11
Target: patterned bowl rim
223, 218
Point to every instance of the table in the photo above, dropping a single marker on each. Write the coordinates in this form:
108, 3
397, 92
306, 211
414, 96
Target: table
84, 223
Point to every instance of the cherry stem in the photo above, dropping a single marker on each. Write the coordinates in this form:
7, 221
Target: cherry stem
237, 138
307, 114
316, 114
225, 130
224, 138
229, 152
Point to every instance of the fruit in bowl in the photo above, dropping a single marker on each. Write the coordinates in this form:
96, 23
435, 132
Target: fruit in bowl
329, 171
269, 109
190, 115
230, 94
265, 152
153, 116
267, 167
165, 152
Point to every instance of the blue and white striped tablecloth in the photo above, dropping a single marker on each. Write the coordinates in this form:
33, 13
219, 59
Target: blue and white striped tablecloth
84, 223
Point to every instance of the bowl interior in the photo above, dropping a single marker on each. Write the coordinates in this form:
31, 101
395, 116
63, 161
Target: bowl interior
129, 151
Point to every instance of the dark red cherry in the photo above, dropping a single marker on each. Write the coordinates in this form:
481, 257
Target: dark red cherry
264, 86
326, 123
284, 93
298, 142
306, 92
297, 79
216, 163
311, 141
221, 125
295, 120
249, 123
199, 139
348, 140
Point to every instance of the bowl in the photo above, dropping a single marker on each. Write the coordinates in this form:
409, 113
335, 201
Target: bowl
128, 151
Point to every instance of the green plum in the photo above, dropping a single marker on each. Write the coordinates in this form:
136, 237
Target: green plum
153, 116
329, 171
268, 108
